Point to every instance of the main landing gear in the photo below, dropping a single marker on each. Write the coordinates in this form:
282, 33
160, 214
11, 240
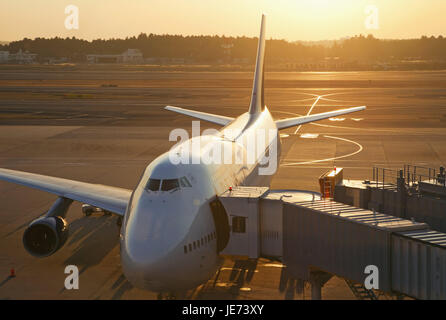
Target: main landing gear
88, 210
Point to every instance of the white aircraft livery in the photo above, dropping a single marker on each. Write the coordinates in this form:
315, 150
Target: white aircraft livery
173, 226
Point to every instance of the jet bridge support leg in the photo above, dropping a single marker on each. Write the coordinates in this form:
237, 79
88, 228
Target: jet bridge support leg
317, 281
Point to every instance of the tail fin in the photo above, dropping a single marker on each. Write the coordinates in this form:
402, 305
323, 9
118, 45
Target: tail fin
257, 98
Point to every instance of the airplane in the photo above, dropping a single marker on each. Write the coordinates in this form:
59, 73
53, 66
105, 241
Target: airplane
173, 226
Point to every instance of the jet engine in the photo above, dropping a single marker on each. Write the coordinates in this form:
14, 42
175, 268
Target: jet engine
47, 234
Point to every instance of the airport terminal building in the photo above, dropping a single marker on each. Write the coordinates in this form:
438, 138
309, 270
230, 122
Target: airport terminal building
128, 56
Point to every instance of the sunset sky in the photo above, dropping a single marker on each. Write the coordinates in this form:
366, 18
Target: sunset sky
287, 19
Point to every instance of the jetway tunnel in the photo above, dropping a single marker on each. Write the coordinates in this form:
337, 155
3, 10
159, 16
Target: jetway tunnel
316, 238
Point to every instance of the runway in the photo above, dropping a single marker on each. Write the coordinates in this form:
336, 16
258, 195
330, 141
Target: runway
67, 123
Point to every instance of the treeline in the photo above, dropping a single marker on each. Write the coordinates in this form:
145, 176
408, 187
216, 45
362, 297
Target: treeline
209, 49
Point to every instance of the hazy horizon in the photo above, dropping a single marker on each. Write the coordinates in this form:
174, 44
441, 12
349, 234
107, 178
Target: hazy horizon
304, 20
228, 36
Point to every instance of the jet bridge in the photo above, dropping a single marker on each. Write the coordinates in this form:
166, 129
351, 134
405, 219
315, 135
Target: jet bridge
316, 237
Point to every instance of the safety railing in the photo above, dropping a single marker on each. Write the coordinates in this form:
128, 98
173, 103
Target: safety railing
384, 177
414, 174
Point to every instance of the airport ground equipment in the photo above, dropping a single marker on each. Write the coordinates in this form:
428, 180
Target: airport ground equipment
329, 180
317, 238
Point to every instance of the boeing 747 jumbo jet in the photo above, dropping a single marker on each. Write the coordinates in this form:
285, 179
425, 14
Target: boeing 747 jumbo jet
176, 200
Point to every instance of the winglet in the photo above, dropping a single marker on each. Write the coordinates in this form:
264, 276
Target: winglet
257, 98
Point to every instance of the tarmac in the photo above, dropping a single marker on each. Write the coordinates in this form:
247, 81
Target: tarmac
104, 126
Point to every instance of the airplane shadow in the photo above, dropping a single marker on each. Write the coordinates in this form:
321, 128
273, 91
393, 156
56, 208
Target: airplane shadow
93, 237
121, 285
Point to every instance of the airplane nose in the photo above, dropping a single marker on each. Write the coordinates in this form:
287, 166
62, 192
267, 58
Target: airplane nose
148, 244
141, 268
142, 258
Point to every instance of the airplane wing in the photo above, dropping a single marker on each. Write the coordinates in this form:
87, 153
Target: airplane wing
108, 198
291, 122
221, 120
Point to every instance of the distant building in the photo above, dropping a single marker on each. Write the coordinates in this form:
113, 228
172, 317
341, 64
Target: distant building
166, 60
4, 56
52, 60
227, 51
129, 56
152, 60
19, 57
22, 57
132, 56
104, 58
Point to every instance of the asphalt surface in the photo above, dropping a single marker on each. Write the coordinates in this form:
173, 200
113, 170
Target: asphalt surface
104, 127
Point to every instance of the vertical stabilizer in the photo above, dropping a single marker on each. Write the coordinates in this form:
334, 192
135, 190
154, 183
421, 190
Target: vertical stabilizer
257, 98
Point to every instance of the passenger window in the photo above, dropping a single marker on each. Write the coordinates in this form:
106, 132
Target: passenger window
190, 247
185, 183
169, 184
153, 184
185, 249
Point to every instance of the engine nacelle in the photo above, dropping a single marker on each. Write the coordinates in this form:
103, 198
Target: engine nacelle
45, 236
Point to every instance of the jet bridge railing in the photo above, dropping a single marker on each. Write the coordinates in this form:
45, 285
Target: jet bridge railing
313, 236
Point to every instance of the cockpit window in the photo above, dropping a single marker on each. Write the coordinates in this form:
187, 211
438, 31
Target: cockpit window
153, 184
169, 184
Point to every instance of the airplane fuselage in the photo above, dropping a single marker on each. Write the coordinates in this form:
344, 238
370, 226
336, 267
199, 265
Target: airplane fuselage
168, 238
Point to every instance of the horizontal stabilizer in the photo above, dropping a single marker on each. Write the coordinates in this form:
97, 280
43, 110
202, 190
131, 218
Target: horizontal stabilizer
221, 120
291, 122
